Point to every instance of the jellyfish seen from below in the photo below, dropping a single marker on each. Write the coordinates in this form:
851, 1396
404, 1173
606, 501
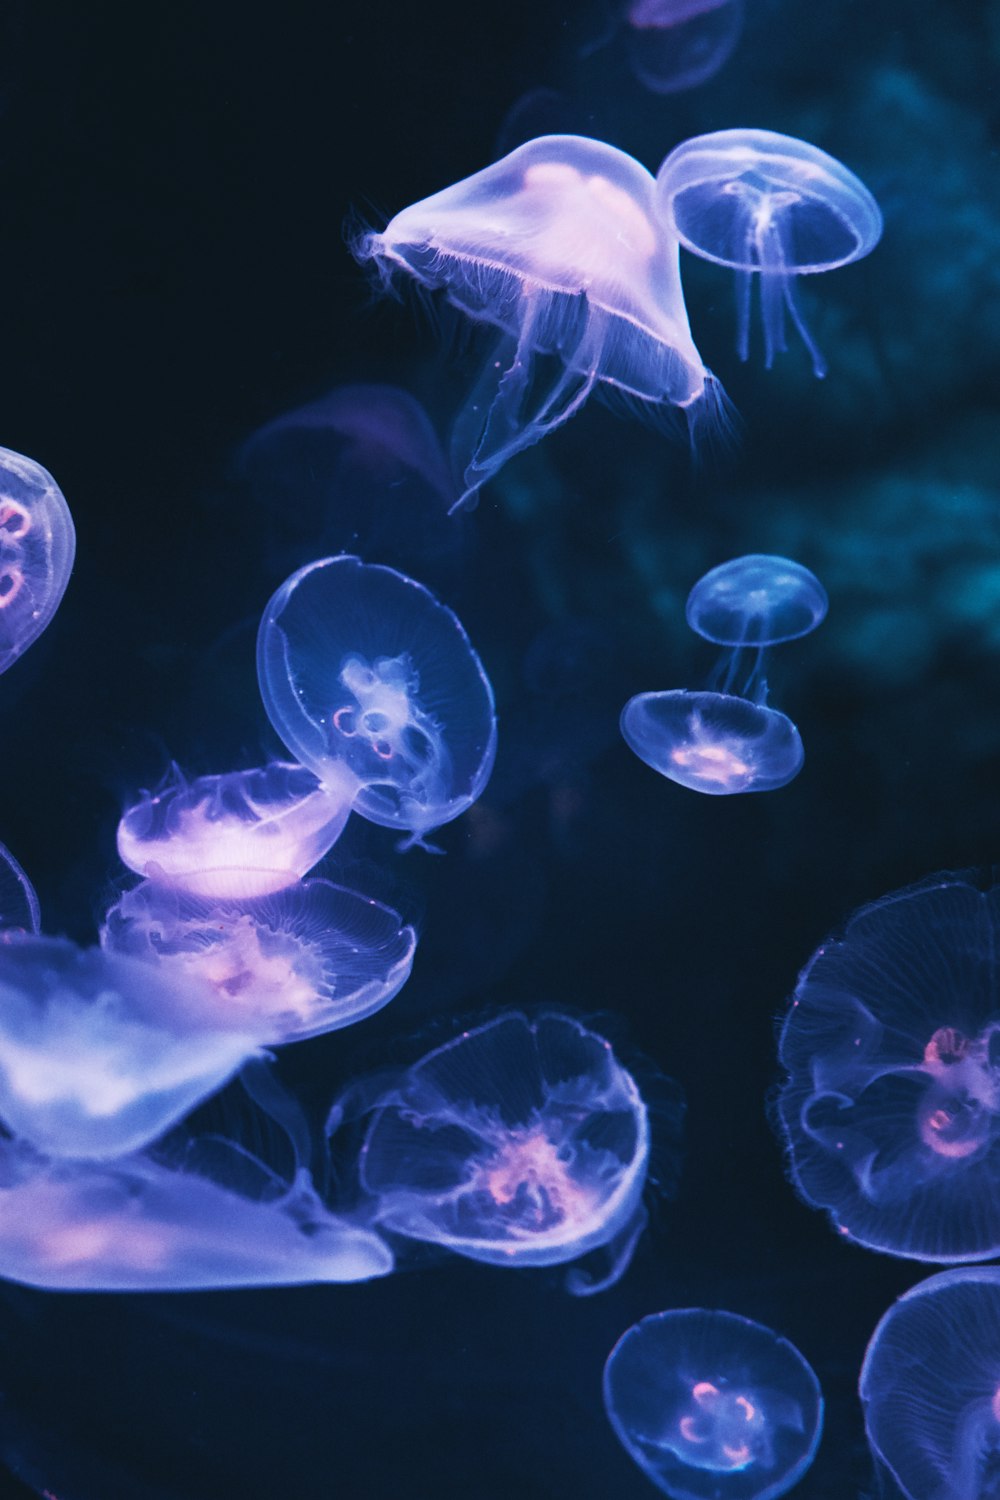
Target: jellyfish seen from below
713, 1406
891, 1045
18, 902
558, 246
37, 546
240, 835
675, 45
727, 740
521, 1143
368, 678
771, 206
930, 1387
307, 959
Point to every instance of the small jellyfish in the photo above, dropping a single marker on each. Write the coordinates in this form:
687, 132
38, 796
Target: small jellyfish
768, 205
891, 1045
308, 959
368, 679
676, 45
521, 1143
37, 546
726, 739
239, 835
18, 903
713, 1406
930, 1387
557, 245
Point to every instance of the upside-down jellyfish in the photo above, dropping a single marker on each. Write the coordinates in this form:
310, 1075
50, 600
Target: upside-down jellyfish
37, 546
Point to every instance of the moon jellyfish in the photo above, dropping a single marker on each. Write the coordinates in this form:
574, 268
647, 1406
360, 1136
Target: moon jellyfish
678, 44
37, 546
930, 1387
771, 206
101, 1054
242, 834
891, 1106
18, 902
521, 1143
308, 959
558, 246
370, 681
726, 739
713, 1406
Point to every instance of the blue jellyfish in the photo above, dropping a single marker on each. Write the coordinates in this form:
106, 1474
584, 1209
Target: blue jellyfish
772, 206
713, 1406
930, 1387
728, 740
559, 247
310, 958
18, 903
239, 835
37, 546
891, 1045
521, 1143
369, 680
676, 45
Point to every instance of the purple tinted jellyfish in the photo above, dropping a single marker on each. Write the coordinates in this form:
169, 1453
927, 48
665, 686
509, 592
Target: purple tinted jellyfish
930, 1387
37, 546
18, 903
308, 959
768, 205
240, 835
678, 44
522, 1143
557, 245
712, 1406
370, 680
891, 1106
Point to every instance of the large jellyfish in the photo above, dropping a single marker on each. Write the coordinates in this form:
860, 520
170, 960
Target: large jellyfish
308, 959
559, 247
521, 1143
713, 1406
370, 681
37, 546
676, 45
891, 1106
772, 206
727, 739
18, 903
930, 1387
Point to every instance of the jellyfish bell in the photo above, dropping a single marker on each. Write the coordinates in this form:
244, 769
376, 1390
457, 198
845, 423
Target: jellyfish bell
757, 600
769, 205
37, 546
19, 911
712, 1405
713, 742
559, 247
675, 45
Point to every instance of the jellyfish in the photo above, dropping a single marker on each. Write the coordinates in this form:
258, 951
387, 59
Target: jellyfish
891, 1046
713, 1406
370, 681
727, 740
676, 45
18, 903
310, 958
100, 1054
37, 545
240, 835
769, 205
559, 247
521, 1143
930, 1387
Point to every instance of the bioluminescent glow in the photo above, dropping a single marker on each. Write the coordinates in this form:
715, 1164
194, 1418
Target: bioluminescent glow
891, 1106
713, 1406
368, 678
757, 600
768, 205
307, 959
675, 45
18, 903
37, 546
559, 246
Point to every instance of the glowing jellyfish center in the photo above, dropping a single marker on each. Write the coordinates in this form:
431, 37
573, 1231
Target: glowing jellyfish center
530, 1180
385, 714
709, 759
723, 1429
955, 1117
15, 523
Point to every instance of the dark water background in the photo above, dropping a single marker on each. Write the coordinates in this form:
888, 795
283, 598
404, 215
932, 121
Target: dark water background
173, 187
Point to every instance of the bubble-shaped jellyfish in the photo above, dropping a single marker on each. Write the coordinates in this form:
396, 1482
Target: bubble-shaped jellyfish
101, 1054
18, 903
239, 835
308, 959
726, 739
713, 1406
369, 679
557, 245
521, 1143
676, 45
37, 546
771, 206
891, 1106
930, 1387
